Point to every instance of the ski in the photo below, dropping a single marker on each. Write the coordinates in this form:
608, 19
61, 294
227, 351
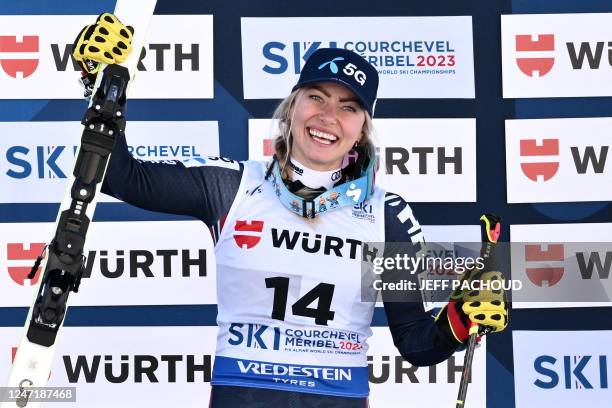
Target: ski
62, 267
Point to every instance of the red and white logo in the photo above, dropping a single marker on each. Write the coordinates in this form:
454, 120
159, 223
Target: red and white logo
556, 55
261, 139
540, 170
530, 64
14, 56
248, 240
18, 252
268, 147
545, 274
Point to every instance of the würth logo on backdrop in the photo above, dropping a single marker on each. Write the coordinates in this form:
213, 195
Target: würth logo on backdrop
534, 50
540, 160
137, 368
19, 257
544, 273
385, 369
541, 170
545, 265
19, 54
249, 240
16, 56
422, 160
268, 147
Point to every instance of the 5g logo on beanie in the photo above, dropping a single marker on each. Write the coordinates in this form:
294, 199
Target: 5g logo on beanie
350, 69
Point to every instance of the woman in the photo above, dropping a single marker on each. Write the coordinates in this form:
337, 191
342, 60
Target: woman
289, 239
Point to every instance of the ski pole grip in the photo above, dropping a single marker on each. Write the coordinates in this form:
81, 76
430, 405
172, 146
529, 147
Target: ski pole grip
490, 228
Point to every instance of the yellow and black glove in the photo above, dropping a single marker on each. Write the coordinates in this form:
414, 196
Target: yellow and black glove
477, 300
107, 41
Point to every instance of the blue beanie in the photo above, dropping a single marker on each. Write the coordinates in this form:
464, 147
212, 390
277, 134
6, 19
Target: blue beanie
344, 67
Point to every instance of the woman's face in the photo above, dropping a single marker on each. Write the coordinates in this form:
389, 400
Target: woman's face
327, 120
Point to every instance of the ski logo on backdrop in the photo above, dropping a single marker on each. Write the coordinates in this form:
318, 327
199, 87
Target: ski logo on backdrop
540, 171
15, 64
247, 240
389, 57
532, 66
22, 259
52, 161
571, 372
544, 274
41, 162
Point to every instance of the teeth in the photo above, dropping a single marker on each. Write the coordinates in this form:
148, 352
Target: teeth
324, 141
323, 135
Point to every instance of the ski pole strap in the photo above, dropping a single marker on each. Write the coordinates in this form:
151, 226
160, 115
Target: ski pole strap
36, 265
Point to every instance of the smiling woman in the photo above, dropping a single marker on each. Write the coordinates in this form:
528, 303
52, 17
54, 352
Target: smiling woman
327, 122
325, 131
329, 112
291, 235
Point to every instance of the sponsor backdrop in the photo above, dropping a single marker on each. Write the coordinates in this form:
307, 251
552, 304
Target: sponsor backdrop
37, 157
36, 53
417, 57
498, 106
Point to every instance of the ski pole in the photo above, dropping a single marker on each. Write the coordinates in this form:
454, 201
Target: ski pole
489, 227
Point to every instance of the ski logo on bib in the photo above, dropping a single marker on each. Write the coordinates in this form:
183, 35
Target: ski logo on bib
249, 240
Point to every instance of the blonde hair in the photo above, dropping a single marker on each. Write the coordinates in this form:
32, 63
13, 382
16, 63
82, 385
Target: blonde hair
283, 140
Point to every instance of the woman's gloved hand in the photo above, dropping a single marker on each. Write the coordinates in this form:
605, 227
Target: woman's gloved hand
474, 302
107, 41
